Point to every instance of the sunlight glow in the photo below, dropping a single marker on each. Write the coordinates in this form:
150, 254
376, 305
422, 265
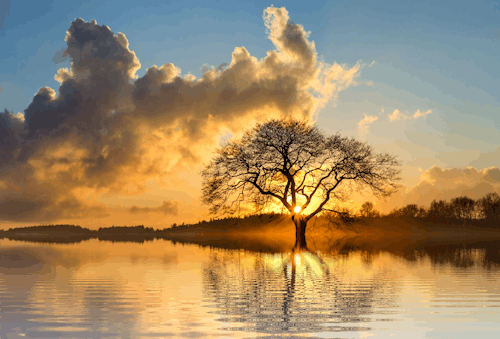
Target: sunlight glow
297, 258
297, 209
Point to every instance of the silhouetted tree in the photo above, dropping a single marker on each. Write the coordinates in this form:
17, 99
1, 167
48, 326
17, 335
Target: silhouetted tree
489, 206
367, 210
292, 162
463, 208
410, 211
440, 211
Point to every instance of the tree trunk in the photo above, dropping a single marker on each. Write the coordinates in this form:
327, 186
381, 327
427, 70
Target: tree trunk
300, 232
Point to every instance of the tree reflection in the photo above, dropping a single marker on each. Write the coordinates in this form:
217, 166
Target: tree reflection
295, 292
462, 255
440, 252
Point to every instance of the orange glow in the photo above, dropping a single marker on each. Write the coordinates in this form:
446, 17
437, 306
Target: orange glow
297, 258
297, 209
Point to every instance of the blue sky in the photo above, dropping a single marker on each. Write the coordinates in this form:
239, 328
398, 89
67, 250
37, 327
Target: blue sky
441, 56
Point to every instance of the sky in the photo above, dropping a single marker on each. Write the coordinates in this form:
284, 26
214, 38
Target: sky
110, 109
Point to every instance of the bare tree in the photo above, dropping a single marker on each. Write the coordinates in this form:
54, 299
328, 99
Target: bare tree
440, 211
368, 210
463, 208
293, 164
490, 206
411, 211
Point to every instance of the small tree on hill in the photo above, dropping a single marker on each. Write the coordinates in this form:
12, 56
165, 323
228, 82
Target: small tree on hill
368, 210
293, 164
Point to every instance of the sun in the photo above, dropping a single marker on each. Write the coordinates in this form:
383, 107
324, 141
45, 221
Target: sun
297, 209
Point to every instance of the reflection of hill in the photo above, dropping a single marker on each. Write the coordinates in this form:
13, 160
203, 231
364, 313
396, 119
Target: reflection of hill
126, 238
267, 233
126, 234
440, 250
51, 240
275, 233
405, 238
74, 234
50, 234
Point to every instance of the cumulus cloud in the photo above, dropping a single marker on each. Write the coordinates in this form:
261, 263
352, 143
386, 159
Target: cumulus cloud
364, 125
419, 114
437, 183
398, 115
106, 130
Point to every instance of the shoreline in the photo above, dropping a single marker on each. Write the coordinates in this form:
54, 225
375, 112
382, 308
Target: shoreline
271, 234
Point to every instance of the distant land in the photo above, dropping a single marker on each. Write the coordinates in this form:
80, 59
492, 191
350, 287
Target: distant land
275, 233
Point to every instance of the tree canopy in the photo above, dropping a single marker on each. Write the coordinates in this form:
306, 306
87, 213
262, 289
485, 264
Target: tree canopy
291, 163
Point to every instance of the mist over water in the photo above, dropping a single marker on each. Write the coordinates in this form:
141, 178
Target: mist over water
97, 289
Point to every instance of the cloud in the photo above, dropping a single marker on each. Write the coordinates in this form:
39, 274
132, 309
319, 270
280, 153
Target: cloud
167, 208
107, 131
485, 159
60, 56
364, 125
0, 89
11, 126
17, 208
419, 114
437, 183
397, 115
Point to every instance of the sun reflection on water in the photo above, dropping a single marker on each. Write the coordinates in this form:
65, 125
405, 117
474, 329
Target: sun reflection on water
98, 289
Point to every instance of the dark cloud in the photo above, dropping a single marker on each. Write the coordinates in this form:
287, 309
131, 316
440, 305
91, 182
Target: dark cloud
20, 209
167, 208
60, 56
107, 131
11, 130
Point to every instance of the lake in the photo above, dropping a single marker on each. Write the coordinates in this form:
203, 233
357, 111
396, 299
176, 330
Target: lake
157, 289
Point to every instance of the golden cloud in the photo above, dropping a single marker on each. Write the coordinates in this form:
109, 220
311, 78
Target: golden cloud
364, 125
397, 115
106, 131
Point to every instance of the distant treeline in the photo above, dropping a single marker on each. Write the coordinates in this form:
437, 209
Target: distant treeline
485, 210
461, 210
52, 228
125, 230
228, 222
75, 233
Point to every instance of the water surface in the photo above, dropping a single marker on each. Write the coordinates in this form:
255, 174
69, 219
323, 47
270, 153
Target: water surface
98, 289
